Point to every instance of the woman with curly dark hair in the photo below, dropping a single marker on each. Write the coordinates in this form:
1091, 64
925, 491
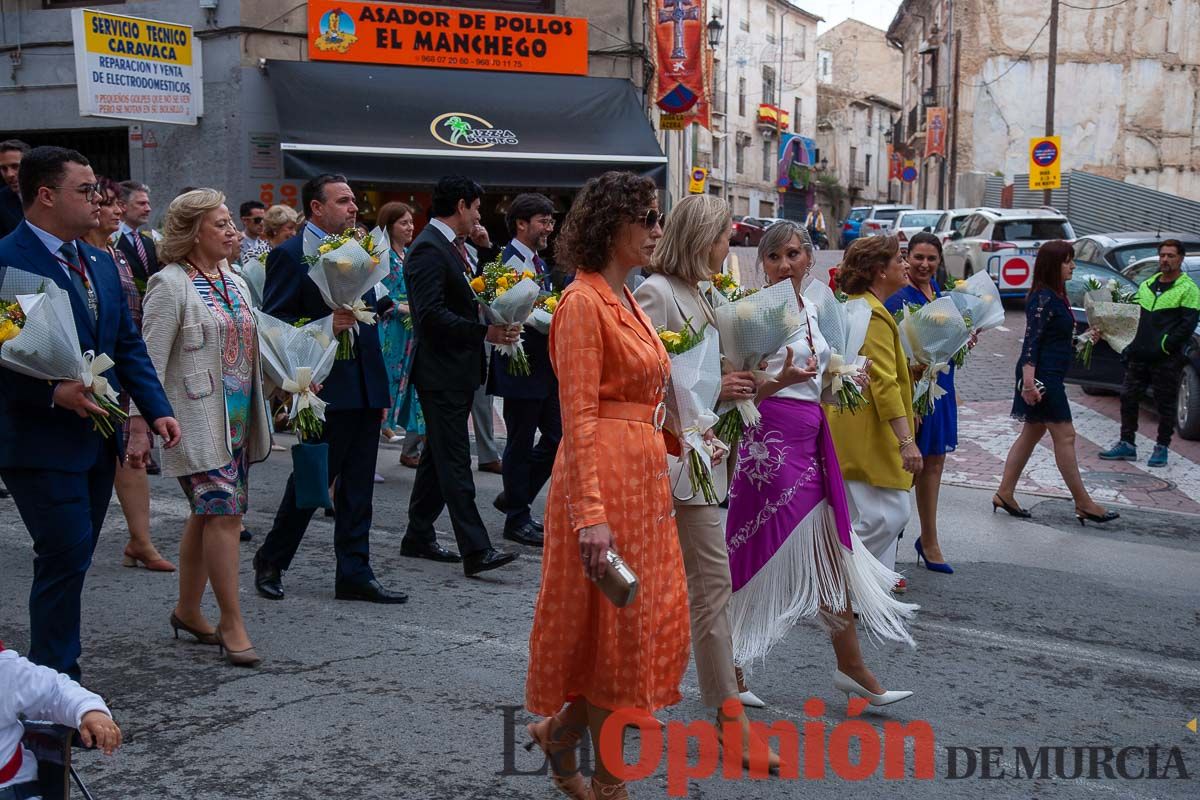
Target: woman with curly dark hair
609, 490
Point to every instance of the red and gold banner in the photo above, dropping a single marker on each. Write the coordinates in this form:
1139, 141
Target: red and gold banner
895, 163
935, 132
680, 55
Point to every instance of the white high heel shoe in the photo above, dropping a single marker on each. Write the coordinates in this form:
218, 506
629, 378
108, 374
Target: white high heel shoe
747, 697
845, 683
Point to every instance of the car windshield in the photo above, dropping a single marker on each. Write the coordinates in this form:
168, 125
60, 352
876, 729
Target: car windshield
958, 223
886, 213
1039, 229
910, 220
1124, 256
858, 214
1078, 283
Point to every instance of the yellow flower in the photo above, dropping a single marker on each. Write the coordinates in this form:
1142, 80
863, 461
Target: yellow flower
551, 304
501, 290
8, 330
477, 284
669, 337
527, 274
325, 248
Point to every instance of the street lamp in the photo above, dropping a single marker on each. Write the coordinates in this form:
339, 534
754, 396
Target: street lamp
824, 164
715, 29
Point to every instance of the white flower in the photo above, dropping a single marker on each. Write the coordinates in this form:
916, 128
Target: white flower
1112, 284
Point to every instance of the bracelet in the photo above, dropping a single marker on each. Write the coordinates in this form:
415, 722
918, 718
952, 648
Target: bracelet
906, 441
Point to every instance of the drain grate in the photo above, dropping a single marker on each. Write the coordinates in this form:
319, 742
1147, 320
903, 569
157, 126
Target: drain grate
1128, 480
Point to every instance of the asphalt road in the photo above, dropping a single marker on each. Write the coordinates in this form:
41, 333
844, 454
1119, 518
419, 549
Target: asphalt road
1047, 635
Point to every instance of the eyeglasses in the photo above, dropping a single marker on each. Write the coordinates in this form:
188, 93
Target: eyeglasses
91, 191
652, 218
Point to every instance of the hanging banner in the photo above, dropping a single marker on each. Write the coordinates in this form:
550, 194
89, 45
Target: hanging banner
935, 132
679, 51
425, 36
895, 163
134, 68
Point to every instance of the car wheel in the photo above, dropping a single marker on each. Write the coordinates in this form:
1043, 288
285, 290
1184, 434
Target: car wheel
1187, 417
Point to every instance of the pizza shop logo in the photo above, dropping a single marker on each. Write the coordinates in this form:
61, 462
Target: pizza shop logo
337, 32
470, 132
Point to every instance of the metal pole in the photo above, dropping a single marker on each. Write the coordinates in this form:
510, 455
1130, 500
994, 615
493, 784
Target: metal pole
779, 212
1051, 69
954, 122
725, 139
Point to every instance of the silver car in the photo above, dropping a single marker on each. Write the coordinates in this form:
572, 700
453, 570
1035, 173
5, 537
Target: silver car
1004, 242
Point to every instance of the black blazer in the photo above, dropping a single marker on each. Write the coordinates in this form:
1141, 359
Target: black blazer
140, 271
449, 353
540, 383
289, 294
11, 212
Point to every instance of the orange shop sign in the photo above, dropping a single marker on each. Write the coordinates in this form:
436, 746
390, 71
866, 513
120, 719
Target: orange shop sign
426, 36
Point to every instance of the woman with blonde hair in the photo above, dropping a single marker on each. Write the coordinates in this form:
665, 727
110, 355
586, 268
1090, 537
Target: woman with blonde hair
202, 338
280, 224
678, 292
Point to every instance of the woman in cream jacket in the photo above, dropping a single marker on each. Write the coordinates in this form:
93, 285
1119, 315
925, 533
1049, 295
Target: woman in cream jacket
202, 337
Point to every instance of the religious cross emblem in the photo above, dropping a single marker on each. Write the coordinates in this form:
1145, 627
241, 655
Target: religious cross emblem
677, 12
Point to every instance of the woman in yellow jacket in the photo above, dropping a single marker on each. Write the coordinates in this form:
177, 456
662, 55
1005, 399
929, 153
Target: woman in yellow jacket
876, 446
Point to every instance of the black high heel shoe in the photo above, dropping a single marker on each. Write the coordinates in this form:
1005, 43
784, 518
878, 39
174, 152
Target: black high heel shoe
1015, 511
1107, 516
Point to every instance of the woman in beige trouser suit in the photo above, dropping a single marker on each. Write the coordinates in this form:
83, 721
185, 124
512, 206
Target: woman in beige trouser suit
677, 292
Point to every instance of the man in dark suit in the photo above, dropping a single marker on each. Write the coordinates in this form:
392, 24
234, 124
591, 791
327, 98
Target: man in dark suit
138, 247
59, 469
357, 393
11, 214
530, 401
448, 366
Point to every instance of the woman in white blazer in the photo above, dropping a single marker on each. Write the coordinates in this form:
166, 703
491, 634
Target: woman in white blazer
203, 341
678, 290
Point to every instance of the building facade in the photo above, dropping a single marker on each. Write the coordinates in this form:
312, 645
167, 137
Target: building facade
1126, 99
858, 101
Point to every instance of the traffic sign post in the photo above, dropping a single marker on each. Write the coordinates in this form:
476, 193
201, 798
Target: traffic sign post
1015, 273
1045, 163
696, 185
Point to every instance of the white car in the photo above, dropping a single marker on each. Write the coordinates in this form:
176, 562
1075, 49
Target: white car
879, 219
953, 221
1004, 242
910, 223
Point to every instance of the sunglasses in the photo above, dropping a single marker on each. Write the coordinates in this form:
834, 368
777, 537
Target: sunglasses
652, 218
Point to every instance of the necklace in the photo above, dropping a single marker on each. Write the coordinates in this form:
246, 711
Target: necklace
222, 291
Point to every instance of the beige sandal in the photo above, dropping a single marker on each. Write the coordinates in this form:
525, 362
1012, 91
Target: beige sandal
555, 738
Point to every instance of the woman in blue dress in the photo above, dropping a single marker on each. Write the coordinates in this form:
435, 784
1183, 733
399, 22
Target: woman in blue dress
396, 336
937, 433
1040, 399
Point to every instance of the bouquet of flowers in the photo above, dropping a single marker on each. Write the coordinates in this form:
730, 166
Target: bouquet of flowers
988, 312
935, 332
38, 338
695, 385
728, 286
844, 326
254, 273
1112, 316
296, 358
753, 329
345, 267
508, 298
543, 312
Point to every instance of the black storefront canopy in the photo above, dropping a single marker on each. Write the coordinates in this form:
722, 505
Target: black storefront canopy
409, 125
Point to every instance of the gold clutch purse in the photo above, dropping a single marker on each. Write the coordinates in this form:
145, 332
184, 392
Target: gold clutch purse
619, 584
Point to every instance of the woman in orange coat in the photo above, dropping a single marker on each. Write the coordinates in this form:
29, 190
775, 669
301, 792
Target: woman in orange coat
609, 489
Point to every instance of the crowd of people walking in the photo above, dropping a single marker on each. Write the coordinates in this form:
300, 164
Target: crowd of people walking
817, 496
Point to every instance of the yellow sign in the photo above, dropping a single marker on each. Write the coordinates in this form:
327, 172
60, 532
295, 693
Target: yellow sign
134, 68
699, 175
1045, 163
671, 122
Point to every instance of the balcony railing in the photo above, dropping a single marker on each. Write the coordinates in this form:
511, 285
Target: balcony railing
858, 179
770, 117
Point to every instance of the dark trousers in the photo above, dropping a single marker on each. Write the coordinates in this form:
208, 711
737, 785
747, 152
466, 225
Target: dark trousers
1164, 376
444, 478
63, 512
527, 466
353, 439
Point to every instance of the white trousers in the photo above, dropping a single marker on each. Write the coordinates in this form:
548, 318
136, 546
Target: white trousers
878, 516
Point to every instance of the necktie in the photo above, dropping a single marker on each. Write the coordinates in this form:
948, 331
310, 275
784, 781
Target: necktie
141, 249
71, 255
537, 262
461, 246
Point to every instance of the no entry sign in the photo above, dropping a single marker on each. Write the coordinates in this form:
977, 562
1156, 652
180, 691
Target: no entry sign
1015, 272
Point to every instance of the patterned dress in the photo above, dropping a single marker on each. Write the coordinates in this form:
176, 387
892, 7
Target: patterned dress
1049, 346
398, 345
133, 299
224, 491
611, 467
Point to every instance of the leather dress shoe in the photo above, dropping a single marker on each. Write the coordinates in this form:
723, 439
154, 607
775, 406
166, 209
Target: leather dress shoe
494, 467
370, 592
501, 502
268, 580
434, 552
525, 534
483, 560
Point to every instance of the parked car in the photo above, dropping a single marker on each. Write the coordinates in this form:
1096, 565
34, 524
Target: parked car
852, 224
1119, 250
1004, 242
1107, 370
910, 223
879, 219
952, 221
748, 231
1144, 268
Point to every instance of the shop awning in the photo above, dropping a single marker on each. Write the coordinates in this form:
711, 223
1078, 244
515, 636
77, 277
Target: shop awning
384, 124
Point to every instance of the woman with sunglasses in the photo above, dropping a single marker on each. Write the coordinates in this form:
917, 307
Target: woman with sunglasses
132, 484
609, 490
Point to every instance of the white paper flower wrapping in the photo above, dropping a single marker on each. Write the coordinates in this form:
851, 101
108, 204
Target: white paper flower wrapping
989, 313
